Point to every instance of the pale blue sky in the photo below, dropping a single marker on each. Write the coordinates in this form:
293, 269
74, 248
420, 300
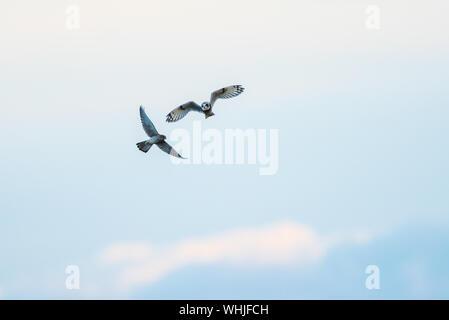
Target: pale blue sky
362, 118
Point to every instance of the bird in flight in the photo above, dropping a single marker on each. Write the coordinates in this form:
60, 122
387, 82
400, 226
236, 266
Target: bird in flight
206, 107
155, 137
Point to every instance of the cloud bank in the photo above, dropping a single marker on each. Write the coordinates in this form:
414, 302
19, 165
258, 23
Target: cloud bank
281, 243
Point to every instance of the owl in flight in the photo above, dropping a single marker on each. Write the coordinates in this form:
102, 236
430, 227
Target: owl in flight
155, 137
206, 107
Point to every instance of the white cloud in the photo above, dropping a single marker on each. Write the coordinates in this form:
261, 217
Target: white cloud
126, 252
282, 243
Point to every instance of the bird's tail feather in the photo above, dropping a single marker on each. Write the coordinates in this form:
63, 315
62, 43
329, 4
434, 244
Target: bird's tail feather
144, 146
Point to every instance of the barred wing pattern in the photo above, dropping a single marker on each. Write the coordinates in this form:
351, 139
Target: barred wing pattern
181, 111
226, 93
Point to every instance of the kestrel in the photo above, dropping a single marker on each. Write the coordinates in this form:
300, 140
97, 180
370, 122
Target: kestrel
155, 137
206, 107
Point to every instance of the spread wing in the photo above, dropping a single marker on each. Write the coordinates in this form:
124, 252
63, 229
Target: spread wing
226, 93
164, 146
181, 111
148, 126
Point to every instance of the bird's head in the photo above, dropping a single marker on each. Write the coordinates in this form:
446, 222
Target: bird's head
163, 137
205, 106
